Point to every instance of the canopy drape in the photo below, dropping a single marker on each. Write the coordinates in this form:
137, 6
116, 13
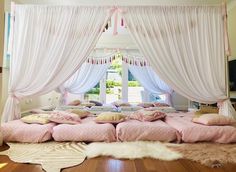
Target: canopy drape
150, 81
49, 44
185, 47
85, 78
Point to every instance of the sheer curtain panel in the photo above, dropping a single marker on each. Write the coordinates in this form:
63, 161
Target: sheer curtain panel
49, 44
150, 81
83, 80
185, 47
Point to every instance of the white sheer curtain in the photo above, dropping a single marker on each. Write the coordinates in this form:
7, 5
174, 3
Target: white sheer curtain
185, 46
83, 80
150, 81
50, 43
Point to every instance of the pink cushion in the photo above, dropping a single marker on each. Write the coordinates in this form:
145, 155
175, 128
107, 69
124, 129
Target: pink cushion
213, 119
18, 131
147, 115
87, 130
132, 130
75, 103
64, 117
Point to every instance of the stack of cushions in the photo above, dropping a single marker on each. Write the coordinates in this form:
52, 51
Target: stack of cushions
87, 104
75, 103
130, 108
153, 104
158, 104
147, 115
213, 119
146, 104
120, 103
66, 107
110, 117
103, 108
164, 109
80, 112
96, 103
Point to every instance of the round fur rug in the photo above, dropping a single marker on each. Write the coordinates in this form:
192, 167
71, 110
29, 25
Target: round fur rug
53, 156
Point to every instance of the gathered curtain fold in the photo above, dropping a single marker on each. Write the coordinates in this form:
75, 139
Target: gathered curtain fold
185, 46
84, 79
150, 81
49, 44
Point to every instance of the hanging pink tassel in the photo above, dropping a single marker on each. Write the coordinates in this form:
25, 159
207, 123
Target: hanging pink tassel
122, 22
115, 23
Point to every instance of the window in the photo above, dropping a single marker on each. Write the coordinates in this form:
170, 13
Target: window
135, 90
114, 80
6, 59
93, 94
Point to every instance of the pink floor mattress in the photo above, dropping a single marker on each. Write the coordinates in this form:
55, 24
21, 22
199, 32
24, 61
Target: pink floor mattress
132, 130
18, 131
88, 130
192, 132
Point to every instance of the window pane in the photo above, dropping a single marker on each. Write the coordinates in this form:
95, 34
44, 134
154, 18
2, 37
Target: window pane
135, 90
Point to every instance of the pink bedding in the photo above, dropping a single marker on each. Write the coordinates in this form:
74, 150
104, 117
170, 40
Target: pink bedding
18, 131
132, 130
193, 132
87, 130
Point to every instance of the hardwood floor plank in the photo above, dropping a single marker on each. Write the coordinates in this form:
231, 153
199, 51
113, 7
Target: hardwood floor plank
108, 164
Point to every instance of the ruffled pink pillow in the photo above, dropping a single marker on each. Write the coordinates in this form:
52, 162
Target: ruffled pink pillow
63, 117
147, 115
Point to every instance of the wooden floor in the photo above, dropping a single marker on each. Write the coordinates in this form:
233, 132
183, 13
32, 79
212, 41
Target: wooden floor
106, 164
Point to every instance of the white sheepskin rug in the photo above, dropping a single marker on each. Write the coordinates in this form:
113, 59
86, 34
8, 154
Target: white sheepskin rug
132, 150
53, 156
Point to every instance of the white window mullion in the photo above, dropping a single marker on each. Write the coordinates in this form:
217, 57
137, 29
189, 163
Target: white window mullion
124, 82
103, 89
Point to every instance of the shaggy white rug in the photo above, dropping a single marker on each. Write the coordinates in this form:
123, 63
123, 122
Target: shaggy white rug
53, 156
132, 150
